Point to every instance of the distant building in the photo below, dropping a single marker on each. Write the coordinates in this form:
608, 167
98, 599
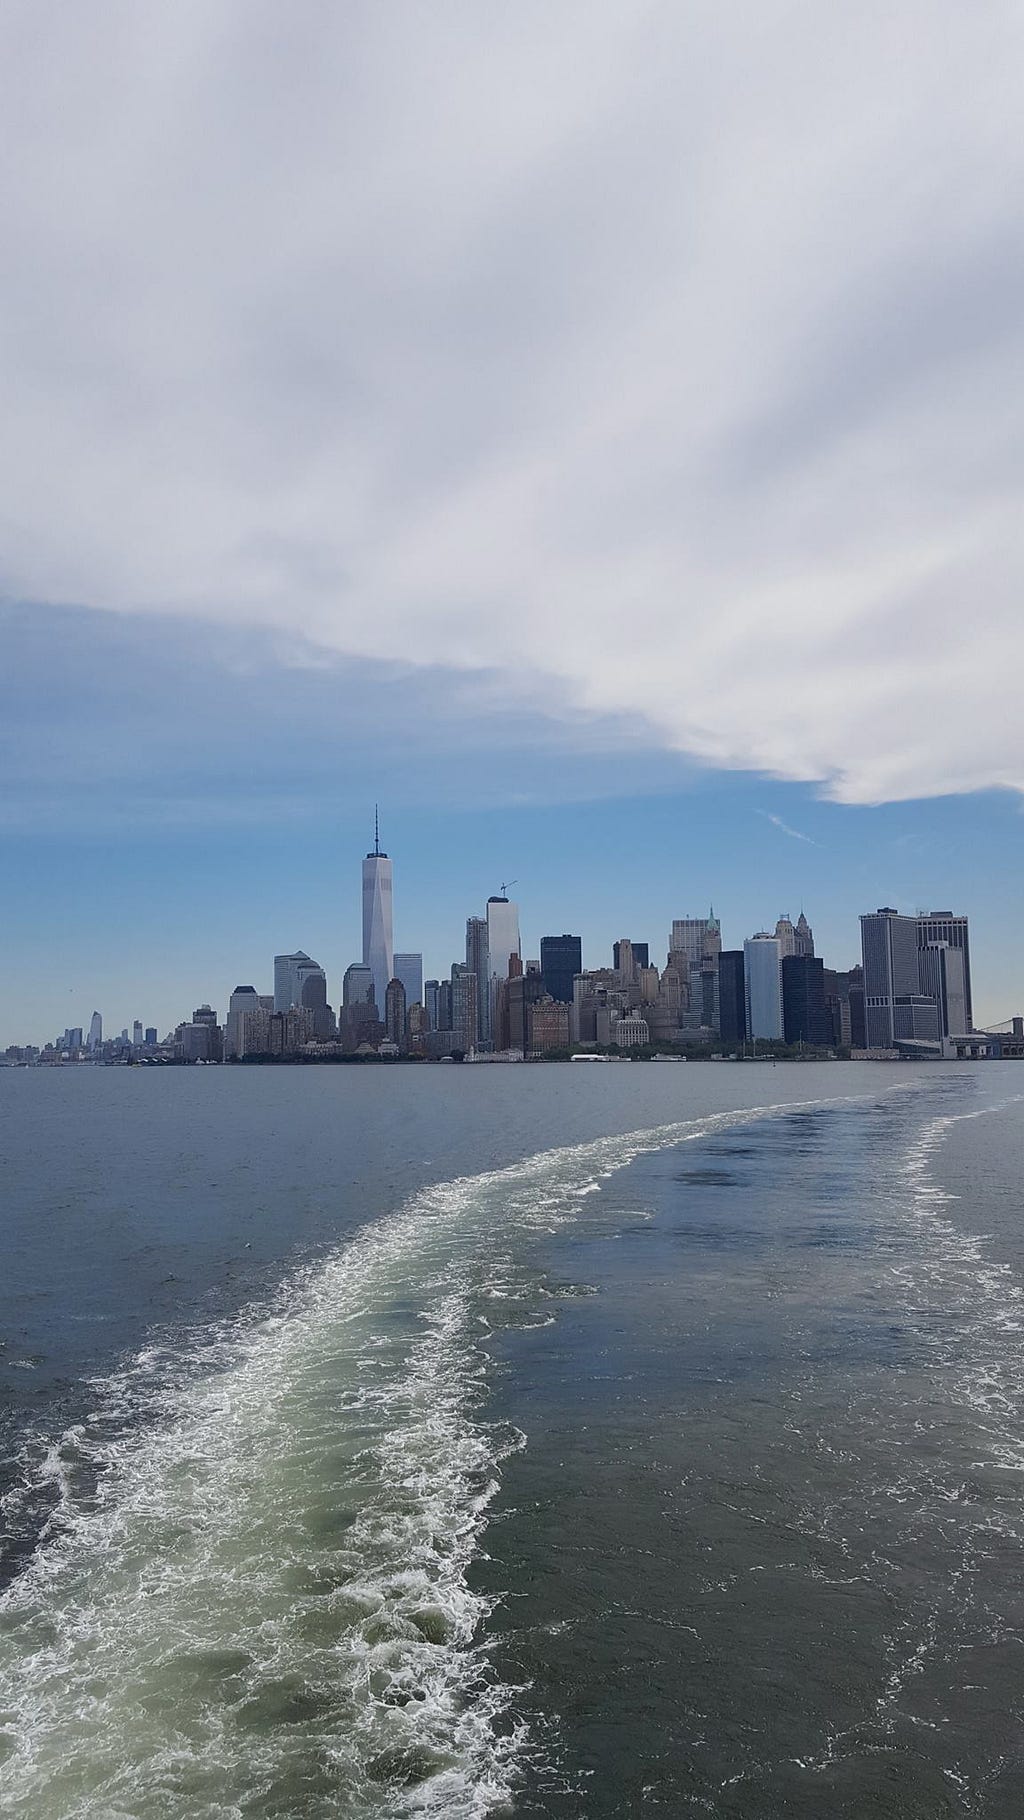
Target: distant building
312, 984
694, 937
478, 964
942, 971
524, 991
378, 938
804, 1015
561, 958
762, 968
394, 1013
357, 986
137, 1034
502, 936
631, 1032
151, 1036
430, 991
942, 927
95, 1031
244, 1001
409, 969
286, 988
641, 954
732, 998
889, 944
463, 1009
547, 1026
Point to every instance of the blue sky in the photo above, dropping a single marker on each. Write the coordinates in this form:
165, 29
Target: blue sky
594, 432
182, 805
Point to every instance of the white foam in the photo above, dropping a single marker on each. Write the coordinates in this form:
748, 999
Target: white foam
266, 1580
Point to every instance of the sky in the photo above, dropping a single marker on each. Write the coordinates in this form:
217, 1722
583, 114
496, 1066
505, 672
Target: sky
591, 431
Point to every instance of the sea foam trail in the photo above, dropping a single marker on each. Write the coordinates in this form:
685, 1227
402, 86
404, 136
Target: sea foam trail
260, 1604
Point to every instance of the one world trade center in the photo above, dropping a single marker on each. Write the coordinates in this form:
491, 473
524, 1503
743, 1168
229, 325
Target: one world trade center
378, 937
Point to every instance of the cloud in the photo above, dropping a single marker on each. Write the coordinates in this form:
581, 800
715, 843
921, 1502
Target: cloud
661, 363
784, 828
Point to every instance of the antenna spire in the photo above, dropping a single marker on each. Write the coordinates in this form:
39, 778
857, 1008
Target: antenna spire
376, 831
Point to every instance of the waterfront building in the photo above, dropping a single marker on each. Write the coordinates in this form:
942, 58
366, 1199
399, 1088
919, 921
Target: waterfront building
477, 962
430, 991
151, 1037
95, 1031
762, 973
137, 1034
889, 945
631, 1032
561, 958
378, 937
394, 1012
943, 977
805, 1018
547, 1026
941, 926
732, 997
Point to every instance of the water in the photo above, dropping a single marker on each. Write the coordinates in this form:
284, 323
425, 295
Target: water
561, 1441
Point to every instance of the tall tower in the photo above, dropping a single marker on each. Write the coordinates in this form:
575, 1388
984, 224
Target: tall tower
378, 937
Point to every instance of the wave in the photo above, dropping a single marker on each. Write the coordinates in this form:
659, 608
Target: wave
254, 1596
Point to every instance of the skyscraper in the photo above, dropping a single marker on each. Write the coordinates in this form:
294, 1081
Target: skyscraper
502, 943
357, 984
463, 1011
477, 962
805, 1016
409, 969
561, 958
378, 938
889, 943
243, 1002
732, 998
641, 955
394, 1013
502, 935
943, 926
286, 978
95, 1030
762, 969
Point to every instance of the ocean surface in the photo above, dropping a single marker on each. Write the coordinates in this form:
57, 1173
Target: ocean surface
569, 1441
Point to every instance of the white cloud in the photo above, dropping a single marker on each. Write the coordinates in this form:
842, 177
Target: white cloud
666, 360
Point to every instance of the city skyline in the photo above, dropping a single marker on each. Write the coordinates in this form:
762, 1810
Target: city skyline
840, 931
912, 983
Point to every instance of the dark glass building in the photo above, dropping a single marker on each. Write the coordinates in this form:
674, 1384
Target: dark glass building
641, 954
561, 958
732, 1000
805, 1016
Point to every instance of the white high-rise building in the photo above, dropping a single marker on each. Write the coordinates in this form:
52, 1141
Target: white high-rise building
378, 935
502, 935
762, 979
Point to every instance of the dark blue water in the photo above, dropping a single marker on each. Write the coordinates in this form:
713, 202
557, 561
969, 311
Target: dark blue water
560, 1440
